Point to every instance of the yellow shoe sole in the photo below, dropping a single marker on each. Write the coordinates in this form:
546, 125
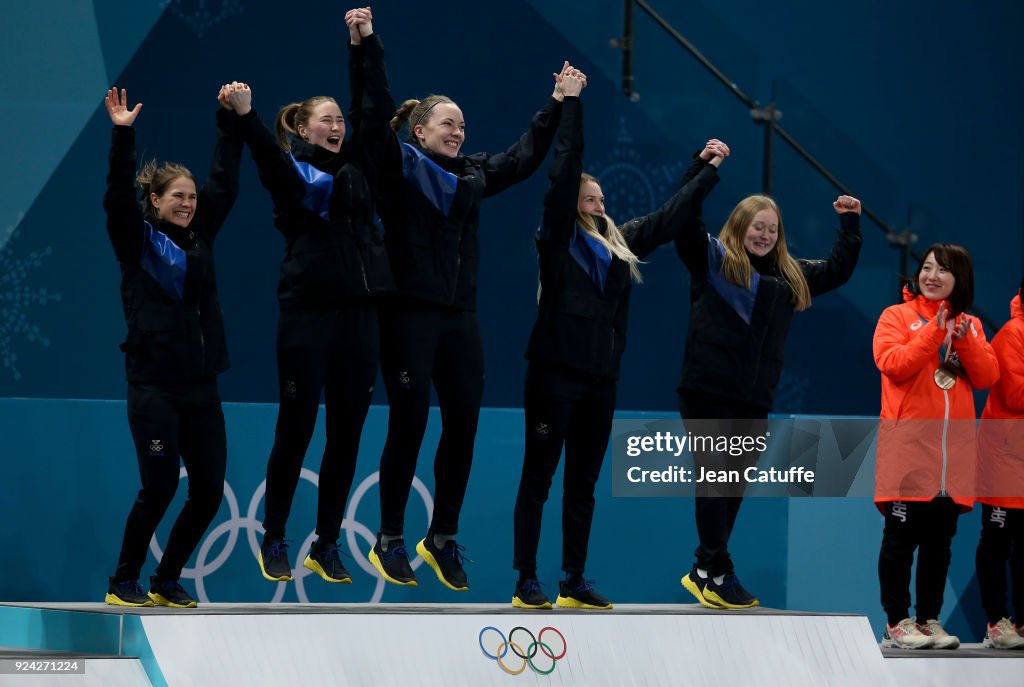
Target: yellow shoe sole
375, 560
115, 600
692, 587
319, 570
519, 603
565, 602
268, 576
716, 599
160, 600
429, 559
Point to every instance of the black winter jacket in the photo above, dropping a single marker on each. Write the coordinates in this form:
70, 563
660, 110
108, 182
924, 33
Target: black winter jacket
334, 251
736, 339
430, 204
168, 282
584, 309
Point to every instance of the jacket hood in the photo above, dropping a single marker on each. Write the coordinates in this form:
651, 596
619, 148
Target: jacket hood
1016, 310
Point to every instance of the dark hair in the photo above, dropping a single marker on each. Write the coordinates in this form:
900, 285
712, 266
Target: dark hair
957, 261
293, 114
416, 112
153, 178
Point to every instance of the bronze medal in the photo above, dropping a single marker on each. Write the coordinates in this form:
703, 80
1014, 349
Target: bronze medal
944, 376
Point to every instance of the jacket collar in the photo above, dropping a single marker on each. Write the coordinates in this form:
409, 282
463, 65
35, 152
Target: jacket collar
1016, 310
183, 237
456, 165
924, 307
318, 156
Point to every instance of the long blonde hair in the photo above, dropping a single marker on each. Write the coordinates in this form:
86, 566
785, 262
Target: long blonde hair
612, 239
736, 266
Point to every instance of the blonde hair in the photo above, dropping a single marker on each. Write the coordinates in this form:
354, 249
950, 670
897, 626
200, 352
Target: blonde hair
415, 112
612, 239
736, 266
293, 114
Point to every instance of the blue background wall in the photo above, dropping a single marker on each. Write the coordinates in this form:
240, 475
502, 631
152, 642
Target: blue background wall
915, 105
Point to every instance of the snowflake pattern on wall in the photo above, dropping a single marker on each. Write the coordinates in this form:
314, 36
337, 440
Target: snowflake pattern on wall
632, 187
17, 298
200, 15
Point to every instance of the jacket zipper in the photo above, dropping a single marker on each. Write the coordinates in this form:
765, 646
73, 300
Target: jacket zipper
945, 455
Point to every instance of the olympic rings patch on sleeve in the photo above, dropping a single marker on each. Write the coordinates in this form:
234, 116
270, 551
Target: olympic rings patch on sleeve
496, 646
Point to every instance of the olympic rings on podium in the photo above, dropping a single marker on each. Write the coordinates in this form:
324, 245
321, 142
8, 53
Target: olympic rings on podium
535, 646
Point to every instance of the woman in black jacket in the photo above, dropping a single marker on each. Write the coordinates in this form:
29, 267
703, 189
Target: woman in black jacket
429, 203
175, 347
587, 266
744, 289
328, 333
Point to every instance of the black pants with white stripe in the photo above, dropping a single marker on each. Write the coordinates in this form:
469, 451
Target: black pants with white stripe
925, 526
1002, 540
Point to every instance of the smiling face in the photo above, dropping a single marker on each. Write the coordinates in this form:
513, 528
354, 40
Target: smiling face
444, 131
591, 200
325, 126
934, 280
177, 204
763, 233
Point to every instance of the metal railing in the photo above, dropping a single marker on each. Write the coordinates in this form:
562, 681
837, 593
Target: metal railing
767, 116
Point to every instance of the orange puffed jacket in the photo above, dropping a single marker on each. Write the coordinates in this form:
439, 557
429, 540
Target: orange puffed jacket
926, 437
1001, 435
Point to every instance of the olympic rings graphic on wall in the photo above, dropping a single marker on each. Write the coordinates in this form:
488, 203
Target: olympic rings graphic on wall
253, 526
536, 645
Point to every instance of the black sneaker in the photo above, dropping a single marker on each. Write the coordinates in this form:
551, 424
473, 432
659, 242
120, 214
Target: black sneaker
446, 562
729, 594
695, 584
580, 595
274, 560
393, 564
325, 561
127, 593
169, 593
529, 595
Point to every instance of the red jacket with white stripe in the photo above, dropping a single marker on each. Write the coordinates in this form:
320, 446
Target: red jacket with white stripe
926, 439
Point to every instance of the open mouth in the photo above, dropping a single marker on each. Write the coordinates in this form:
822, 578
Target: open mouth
334, 140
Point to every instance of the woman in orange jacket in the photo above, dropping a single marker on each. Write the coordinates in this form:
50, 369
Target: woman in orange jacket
1001, 486
932, 357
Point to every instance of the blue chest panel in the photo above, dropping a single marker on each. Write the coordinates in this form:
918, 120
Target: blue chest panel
588, 253
165, 261
318, 187
436, 185
739, 298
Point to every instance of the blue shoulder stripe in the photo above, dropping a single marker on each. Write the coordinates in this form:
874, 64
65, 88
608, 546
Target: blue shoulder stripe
165, 261
739, 298
591, 255
436, 185
318, 188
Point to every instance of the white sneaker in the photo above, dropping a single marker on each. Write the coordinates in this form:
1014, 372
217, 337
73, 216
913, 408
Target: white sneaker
940, 638
905, 635
1003, 635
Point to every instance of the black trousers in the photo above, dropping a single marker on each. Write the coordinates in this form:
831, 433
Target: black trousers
563, 407
168, 422
334, 352
929, 527
421, 345
716, 506
1002, 540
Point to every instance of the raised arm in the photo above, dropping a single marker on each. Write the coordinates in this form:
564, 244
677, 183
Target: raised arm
523, 157
218, 194
124, 216
836, 270
677, 216
360, 23
561, 199
376, 144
